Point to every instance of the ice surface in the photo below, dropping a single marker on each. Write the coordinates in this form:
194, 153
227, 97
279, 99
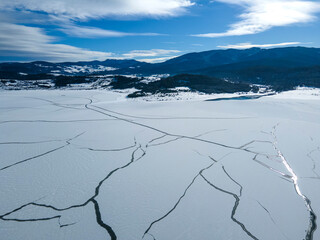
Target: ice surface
95, 165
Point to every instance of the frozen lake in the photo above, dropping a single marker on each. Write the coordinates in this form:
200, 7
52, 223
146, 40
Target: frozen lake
80, 165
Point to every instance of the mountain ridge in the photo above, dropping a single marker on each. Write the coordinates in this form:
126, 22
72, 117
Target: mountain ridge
282, 68
207, 58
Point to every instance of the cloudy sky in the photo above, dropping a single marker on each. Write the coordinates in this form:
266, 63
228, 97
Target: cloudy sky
150, 30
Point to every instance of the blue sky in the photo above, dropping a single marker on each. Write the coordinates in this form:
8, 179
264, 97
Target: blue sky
150, 30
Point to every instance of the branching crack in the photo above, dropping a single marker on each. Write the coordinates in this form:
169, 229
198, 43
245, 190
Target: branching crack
236, 204
92, 199
68, 142
139, 152
179, 200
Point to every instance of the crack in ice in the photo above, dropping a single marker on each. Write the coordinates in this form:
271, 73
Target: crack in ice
295, 180
234, 209
68, 142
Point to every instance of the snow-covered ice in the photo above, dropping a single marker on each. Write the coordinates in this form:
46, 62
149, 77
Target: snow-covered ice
79, 165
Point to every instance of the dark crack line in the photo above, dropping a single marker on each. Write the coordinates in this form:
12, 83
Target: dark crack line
212, 159
192, 138
3, 218
171, 118
155, 139
254, 141
92, 108
15, 210
163, 132
178, 202
123, 119
274, 222
164, 143
114, 171
42, 154
91, 199
68, 106
199, 153
143, 153
153, 237
225, 171
234, 209
66, 225
111, 150
97, 189
30, 220
181, 137
34, 157
101, 223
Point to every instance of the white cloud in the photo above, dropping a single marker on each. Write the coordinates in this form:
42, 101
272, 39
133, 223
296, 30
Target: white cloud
151, 56
85, 9
93, 32
249, 45
261, 15
149, 53
32, 43
156, 60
